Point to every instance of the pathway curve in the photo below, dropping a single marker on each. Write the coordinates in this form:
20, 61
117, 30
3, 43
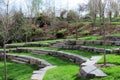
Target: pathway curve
89, 70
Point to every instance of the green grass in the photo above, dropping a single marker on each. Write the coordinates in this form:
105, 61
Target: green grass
65, 70
114, 71
17, 71
116, 34
115, 23
68, 71
101, 46
112, 59
1, 49
77, 23
91, 38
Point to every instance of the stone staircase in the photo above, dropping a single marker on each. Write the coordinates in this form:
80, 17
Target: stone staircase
58, 45
20, 60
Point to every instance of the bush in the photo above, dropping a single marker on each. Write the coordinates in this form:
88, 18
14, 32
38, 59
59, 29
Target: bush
85, 32
63, 31
59, 35
39, 32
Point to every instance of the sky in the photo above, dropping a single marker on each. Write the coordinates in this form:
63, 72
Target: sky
71, 3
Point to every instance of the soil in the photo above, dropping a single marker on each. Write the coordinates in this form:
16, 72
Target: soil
104, 66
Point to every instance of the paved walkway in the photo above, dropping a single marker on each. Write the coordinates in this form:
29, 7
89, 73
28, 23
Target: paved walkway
39, 75
89, 70
92, 60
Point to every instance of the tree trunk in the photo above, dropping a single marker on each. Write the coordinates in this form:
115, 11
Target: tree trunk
76, 33
26, 40
104, 35
5, 65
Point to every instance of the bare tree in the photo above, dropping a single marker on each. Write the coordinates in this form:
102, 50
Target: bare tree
112, 9
93, 9
103, 7
4, 32
6, 27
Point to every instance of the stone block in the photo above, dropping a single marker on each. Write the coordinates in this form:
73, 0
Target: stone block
78, 42
90, 71
97, 42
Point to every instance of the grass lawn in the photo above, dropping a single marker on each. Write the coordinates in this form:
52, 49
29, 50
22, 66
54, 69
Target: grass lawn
17, 71
102, 46
68, 71
116, 34
114, 71
90, 38
65, 70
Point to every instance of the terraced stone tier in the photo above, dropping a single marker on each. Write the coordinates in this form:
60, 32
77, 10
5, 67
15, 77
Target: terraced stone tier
64, 45
80, 42
28, 45
68, 56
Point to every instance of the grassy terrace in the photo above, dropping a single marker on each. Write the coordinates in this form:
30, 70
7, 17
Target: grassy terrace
17, 71
101, 46
67, 70
63, 68
113, 72
78, 52
117, 34
53, 41
90, 38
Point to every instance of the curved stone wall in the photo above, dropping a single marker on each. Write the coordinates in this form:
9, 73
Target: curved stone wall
38, 74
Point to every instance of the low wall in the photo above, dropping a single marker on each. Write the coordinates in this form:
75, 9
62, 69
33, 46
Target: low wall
28, 45
78, 45
113, 38
67, 56
90, 49
31, 60
97, 42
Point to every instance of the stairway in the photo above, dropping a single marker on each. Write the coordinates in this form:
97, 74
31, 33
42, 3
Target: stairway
20, 60
58, 45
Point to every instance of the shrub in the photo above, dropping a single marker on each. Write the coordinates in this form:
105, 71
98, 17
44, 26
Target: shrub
39, 32
85, 32
61, 33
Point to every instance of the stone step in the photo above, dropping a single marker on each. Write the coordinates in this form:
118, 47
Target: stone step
92, 60
16, 61
22, 59
39, 52
90, 71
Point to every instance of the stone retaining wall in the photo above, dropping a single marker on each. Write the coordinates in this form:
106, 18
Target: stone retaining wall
97, 42
77, 45
91, 49
31, 60
67, 56
113, 38
28, 45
